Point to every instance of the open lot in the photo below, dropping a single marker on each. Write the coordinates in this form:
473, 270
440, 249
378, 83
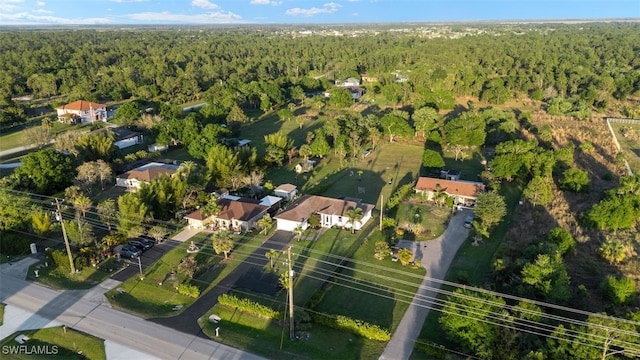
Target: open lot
628, 136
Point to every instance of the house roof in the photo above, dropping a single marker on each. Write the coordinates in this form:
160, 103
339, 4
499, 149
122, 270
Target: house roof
286, 188
81, 105
196, 215
242, 210
462, 188
270, 200
307, 205
149, 172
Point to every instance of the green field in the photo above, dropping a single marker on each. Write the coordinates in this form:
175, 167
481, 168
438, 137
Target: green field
60, 279
57, 343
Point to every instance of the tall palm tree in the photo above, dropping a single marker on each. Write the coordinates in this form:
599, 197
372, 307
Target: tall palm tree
271, 255
355, 215
83, 204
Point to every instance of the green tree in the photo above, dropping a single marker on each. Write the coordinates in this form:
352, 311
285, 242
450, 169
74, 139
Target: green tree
575, 180
265, 224
158, 233
222, 163
382, 250
127, 114
432, 159
209, 137
285, 114
615, 251
277, 145
319, 146
13, 209
354, 215
40, 222
464, 132
82, 203
237, 115
222, 242
467, 319
107, 212
271, 255
490, 209
619, 290
80, 232
48, 170
132, 212
547, 275
425, 120
340, 98
562, 238
395, 126
538, 191
614, 213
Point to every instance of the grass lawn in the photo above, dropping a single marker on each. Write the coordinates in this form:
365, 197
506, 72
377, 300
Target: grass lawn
470, 166
471, 264
57, 343
376, 291
11, 139
630, 143
269, 339
426, 220
2, 313
155, 295
58, 278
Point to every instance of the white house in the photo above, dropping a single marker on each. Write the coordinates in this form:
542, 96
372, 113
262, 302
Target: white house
332, 212
236, 214
463, 192
82, 111
286, 191
133, 179
126, 138
349, 82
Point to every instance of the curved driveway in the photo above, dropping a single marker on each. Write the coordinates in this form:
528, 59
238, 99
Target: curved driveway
436, 256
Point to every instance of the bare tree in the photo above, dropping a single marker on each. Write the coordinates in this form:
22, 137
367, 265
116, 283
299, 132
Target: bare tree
38, 135
67, 141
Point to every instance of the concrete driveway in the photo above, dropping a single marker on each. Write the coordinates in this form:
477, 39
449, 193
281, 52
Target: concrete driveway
436, 256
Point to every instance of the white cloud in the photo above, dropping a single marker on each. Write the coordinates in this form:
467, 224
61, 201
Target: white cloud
265, 2
25, 18
219, 17
42, 11
353, 0
9, 5
205, 4
327, 8
127, 1
41, 3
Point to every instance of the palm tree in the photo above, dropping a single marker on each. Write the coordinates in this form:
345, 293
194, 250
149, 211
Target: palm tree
271, 255
355, 215
614, 251
298, 231
222, 242
187, 168
265, 223
82, 203
107, 212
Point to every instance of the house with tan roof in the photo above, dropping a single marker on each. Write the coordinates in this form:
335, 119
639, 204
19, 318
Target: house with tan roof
82, 111
464, 193
332, 212
286, 191
236, 214
133, 179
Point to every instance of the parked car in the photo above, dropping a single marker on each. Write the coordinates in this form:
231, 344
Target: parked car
367, 153
467, 221
141, 244
127, 251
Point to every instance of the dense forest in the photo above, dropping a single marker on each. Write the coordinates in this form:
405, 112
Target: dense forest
570, 243
577, 66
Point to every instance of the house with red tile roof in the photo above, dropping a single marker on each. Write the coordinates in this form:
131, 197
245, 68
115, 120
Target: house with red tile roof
236, 214
463, 192
133, 179
332, 212
82, 111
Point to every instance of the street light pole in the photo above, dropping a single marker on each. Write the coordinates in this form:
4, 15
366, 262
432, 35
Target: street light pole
66, 240
140, 267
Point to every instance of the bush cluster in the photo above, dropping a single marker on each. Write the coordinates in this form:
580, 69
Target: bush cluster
358, 327
189, 290
248, 306
60, 258
11, 244
400, 194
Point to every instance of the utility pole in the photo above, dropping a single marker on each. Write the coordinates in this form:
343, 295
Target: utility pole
66, 240
140, 267
291, 330
381, 210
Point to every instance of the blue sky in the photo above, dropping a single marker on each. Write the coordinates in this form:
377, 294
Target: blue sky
49, 12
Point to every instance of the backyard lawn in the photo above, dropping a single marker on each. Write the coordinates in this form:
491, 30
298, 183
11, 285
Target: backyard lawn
422, 221
58, 278
58, 343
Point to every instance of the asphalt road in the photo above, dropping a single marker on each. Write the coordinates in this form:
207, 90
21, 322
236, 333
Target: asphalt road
88, 311
146, 259
436, 256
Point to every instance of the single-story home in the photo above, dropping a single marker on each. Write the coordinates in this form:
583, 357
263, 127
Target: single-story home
332, 212
133, 179
348, 82
236, 214
124, 138
286, 191
82, 111
464, 193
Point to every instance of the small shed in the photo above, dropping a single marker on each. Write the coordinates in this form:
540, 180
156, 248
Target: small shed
305, 166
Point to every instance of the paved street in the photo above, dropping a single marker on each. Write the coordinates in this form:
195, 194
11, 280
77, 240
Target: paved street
88, 311
436, 256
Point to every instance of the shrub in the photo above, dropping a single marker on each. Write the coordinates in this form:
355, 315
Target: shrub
60, 258
358, 327
11, 244
619, 291
399, 195
189, 290
248, 306
562, 238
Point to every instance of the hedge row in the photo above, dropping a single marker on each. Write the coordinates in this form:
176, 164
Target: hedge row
248, 306
358, 327
400, 194
189, 290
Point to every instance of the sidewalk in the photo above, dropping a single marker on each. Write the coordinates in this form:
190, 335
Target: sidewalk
17, 269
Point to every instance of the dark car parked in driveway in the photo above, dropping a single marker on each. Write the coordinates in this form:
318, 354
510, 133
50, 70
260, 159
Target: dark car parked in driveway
141, 244
127, 251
